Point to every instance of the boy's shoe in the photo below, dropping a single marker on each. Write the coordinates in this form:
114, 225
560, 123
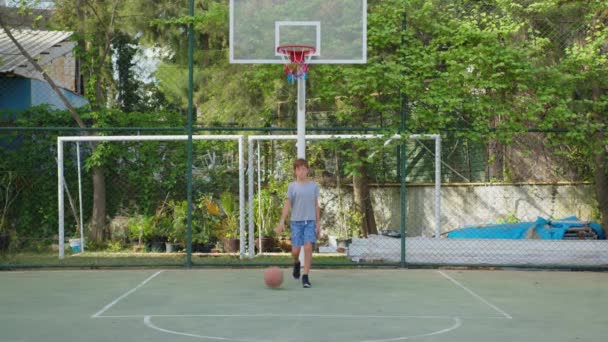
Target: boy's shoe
305, 281
296, 270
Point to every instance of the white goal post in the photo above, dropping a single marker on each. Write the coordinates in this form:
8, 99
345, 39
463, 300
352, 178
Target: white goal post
61, 180
253, 139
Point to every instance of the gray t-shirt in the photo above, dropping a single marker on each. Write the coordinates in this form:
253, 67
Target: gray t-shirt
303, 198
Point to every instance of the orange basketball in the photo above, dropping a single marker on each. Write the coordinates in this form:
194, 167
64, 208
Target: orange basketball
273, 277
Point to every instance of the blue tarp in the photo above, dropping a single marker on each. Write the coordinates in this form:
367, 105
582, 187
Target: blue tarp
545, 229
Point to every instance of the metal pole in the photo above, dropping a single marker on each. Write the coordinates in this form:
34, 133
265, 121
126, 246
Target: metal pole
403, 175
241, 197
60, 197
189, 129
80, 196
301, 144
261, 228
438, 186
250, 167
403, 156
301, 131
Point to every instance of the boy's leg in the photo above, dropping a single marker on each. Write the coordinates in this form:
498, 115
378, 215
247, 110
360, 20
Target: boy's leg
295, 252
309, 239
297, 239
307, 257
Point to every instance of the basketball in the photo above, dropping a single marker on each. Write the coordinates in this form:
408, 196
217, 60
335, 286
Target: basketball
273, 277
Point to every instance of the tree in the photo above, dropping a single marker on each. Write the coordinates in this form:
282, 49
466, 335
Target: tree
94, 22
581, 59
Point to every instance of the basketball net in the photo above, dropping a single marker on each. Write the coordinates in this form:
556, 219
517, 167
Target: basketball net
296, 59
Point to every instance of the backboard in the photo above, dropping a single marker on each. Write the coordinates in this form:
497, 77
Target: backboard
337, 29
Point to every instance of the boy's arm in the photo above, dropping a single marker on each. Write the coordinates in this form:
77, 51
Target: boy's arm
286, 207
318, 217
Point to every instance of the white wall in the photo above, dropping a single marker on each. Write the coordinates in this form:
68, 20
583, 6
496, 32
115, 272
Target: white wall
467, 205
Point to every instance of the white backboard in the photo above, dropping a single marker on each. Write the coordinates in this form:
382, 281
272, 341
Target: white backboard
336, 28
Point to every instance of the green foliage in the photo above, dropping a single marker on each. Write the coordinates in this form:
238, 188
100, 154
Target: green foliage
179, 227
486, 69
354, 222
230, 217
267, 207
212, 217
142, 228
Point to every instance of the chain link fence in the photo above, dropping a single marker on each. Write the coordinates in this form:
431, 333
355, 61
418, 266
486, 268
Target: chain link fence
528, 201
523, 221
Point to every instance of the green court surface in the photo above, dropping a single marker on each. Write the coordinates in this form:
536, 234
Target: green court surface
342, 306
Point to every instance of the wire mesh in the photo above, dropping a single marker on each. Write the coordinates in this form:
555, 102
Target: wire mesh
493, 190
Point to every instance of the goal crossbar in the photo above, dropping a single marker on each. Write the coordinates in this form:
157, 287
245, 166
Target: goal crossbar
252, 139
61, 181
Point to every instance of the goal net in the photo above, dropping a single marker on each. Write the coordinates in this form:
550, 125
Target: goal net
140, 184
362, 211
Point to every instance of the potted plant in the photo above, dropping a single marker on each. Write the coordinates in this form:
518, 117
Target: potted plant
177, 227
267, 209
141, 228
230, 222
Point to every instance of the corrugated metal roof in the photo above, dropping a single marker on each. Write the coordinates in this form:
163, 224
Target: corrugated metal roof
34, 42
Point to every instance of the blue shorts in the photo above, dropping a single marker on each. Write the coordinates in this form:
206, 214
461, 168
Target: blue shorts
302, 232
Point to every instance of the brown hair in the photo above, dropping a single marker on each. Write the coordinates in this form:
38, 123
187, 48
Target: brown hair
299, 162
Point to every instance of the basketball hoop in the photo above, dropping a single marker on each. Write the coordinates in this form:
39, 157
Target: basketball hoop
296, 59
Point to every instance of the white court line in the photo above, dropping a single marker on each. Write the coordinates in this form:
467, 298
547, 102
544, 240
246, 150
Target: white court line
298, 316
456, 325
105, 308
502, 312
289, 316
148, 322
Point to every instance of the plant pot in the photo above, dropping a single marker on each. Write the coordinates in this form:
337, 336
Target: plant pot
231, 245
171, 247
268, 244
202, 247
155, 246
75, 245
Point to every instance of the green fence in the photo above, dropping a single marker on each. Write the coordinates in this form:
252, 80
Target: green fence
141, 184
514, 92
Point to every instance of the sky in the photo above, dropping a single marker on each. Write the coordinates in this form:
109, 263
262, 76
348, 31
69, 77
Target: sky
33, 3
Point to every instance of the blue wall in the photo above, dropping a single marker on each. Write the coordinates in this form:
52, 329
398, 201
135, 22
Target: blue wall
42, 93
17, 94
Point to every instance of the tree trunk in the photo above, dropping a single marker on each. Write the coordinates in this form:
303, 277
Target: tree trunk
601, 182
98, 221
599, 159
363, 200
82, 46
496, 157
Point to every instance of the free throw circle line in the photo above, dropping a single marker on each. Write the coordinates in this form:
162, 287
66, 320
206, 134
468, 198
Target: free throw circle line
148, 322
456, 325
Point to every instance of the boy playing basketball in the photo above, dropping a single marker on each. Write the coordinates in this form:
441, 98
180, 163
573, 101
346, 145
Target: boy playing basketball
303, 201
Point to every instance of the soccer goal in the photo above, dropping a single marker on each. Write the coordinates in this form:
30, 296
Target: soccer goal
333, 156
151, 169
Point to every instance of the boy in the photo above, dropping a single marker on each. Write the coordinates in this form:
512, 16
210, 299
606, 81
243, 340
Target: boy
303, 201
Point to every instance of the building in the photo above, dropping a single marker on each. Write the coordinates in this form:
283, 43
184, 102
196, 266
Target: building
21, 86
